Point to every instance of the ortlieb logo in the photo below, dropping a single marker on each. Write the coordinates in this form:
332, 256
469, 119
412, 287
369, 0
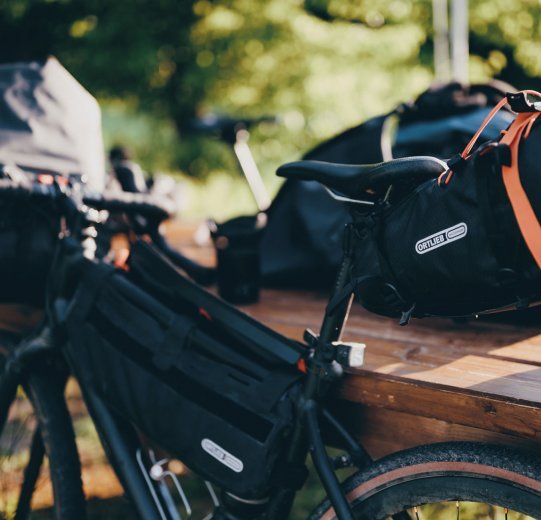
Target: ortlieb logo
221, 455
441, 238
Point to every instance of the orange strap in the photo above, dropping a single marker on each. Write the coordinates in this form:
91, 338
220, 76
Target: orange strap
487, 120
520, 128
446, 176
524, 213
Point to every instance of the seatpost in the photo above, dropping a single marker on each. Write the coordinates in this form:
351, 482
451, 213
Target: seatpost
250, 170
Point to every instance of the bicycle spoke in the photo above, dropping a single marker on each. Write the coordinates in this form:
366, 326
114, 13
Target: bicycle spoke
31, 474
447, 508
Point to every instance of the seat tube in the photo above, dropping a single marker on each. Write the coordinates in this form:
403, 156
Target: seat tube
333, 323
334, 319
307, 431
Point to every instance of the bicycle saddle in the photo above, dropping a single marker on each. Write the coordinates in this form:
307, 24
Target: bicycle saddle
353, 180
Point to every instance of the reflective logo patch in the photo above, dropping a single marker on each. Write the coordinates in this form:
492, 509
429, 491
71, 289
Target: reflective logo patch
222, 455
441, 238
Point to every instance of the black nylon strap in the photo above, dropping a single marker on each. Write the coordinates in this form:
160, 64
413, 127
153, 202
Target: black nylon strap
94, 278
404, 304
497, 237
165, 341
170, 349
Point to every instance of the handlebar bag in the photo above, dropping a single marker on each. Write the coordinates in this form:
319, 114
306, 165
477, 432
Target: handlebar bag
466, 243
202, 391
28, 235
48, 123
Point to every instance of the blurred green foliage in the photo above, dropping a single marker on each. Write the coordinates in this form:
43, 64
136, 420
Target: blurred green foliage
321, 65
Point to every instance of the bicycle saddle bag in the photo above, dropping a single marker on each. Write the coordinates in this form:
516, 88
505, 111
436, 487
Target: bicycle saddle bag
203, 381
466, 243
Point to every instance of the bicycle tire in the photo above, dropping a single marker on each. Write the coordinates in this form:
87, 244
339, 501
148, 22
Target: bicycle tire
46, 397
472, 472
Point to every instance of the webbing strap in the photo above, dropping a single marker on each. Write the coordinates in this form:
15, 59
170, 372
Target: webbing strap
524, 213
528, 224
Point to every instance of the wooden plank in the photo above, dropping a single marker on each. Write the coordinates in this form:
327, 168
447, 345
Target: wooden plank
384, 431
492, 413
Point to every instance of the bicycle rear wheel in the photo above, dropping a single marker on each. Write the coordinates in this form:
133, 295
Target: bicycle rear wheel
445, 481
40, 425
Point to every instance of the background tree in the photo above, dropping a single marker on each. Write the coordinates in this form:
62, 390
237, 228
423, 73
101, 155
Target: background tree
322, 65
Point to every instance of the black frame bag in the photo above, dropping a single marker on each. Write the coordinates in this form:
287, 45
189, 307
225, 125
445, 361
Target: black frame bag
466, 243
155, 348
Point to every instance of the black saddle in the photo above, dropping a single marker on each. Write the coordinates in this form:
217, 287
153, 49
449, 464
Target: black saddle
354, 181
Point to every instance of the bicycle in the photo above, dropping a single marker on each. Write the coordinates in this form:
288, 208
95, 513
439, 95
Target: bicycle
397, 486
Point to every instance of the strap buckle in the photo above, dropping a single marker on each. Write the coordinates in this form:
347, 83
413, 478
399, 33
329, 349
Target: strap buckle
519, 103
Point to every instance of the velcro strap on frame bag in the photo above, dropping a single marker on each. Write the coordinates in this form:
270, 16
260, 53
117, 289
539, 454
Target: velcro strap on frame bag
466, 243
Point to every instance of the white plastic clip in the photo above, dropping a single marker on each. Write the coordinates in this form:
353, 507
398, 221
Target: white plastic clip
355, 353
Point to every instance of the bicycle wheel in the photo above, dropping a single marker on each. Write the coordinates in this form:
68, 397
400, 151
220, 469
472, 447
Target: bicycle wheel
38, 426
446, 480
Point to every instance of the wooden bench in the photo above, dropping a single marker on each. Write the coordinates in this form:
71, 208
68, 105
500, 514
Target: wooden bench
433, 380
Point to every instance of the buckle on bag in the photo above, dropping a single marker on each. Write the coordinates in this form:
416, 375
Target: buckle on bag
519, 103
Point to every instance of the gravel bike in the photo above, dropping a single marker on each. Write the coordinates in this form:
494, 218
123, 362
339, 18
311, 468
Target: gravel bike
401, 486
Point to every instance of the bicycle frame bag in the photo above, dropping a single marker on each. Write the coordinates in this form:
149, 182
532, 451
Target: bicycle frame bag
197, 377
464, 244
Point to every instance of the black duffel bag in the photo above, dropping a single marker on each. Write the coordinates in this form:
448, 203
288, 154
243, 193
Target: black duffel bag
200, 379
301, 245
466, 243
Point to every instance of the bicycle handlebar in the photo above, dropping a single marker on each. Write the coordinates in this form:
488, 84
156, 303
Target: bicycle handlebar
29, 189
151, 206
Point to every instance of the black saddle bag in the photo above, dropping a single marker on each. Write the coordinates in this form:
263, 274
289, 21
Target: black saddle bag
200, 379
464, 244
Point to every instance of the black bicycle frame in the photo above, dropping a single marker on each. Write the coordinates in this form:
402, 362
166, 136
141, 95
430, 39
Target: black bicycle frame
307, 435
151, 497
124, 450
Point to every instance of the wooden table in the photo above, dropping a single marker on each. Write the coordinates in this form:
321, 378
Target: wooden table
433, 380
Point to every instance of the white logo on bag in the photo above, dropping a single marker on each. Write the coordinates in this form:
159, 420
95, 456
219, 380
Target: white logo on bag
441, 238
222, 455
